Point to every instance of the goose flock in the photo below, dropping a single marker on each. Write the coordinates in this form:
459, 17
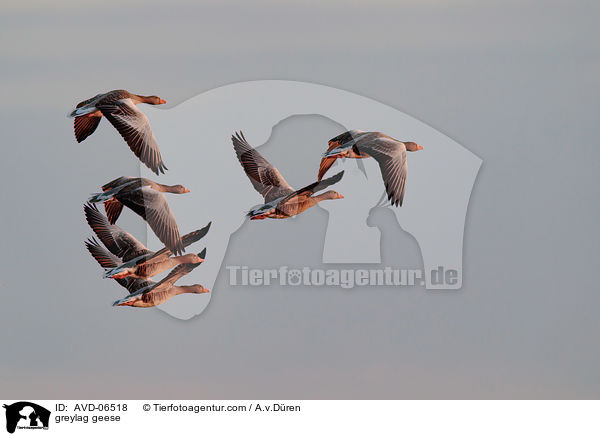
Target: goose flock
128, 262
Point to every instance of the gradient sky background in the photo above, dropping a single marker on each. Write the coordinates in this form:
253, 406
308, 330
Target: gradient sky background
514, 82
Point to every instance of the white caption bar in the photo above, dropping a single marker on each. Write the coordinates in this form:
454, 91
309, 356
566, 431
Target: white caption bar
291, 417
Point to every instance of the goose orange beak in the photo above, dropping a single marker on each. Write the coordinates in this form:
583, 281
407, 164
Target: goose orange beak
419, 147
162, 101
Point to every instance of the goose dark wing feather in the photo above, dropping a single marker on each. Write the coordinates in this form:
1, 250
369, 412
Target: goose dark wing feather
153, 207
136, 285
108, 260
133, 125
343, 139
118, 241
187, 240
89, 100
102, 228
118, 182
182, 270
104, 257
175, 274
85, 125
266, 179
327, 162
113, 209
391, 157
309, 190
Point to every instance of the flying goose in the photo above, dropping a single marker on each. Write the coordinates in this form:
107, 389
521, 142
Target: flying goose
146, 198
389, 153
119, 107
133, 259
281, 200
157, 293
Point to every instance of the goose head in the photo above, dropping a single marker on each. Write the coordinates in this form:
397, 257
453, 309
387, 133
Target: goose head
195, 289
330, 195
412, 146
178, 189
153, 99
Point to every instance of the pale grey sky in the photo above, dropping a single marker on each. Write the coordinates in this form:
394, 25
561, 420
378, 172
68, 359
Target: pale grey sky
514, 82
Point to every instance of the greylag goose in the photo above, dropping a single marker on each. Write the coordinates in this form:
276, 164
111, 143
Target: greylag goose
146, 198
133, 258
157, 293
281, 200
119, 108
389, 153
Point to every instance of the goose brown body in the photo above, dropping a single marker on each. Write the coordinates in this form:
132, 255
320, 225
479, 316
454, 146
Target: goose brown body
293, 208
157, 296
